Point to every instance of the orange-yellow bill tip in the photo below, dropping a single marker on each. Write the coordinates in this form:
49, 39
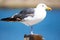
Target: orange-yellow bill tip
48, 8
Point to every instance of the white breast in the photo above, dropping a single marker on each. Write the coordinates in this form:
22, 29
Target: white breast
39, 15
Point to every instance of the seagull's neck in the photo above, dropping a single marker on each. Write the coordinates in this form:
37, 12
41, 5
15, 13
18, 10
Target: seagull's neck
40, 13
40, 8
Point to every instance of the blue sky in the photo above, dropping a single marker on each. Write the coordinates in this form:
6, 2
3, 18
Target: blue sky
49, 28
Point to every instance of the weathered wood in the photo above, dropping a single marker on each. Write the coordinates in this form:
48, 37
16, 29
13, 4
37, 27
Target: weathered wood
33, 37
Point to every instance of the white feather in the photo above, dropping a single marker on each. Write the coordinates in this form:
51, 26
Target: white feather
39, 15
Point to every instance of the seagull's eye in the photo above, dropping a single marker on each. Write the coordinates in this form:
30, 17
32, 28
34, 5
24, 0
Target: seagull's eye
42, 5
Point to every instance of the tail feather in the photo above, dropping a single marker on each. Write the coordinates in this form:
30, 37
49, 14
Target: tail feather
10, 19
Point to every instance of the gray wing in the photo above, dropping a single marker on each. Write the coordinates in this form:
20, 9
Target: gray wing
21, 15
25, 13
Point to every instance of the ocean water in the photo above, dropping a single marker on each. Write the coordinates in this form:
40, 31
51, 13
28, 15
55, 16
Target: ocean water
49, 28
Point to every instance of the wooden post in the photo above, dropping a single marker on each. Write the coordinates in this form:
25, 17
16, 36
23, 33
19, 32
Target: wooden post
33, 37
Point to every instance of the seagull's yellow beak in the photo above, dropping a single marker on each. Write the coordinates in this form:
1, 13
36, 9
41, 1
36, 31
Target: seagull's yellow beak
48, 8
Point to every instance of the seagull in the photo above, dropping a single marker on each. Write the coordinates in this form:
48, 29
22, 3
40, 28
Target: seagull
29, 16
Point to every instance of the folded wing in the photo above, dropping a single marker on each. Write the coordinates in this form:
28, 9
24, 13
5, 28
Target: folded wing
21, 15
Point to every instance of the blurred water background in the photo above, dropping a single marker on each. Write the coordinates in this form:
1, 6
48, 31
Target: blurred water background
49, 28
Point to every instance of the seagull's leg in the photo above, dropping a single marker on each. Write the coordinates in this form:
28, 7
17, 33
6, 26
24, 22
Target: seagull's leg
31, 31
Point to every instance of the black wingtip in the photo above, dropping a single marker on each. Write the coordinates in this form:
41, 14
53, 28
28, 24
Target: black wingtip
10, 19
4, 19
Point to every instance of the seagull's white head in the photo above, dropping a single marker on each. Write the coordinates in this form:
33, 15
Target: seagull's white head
43, 6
